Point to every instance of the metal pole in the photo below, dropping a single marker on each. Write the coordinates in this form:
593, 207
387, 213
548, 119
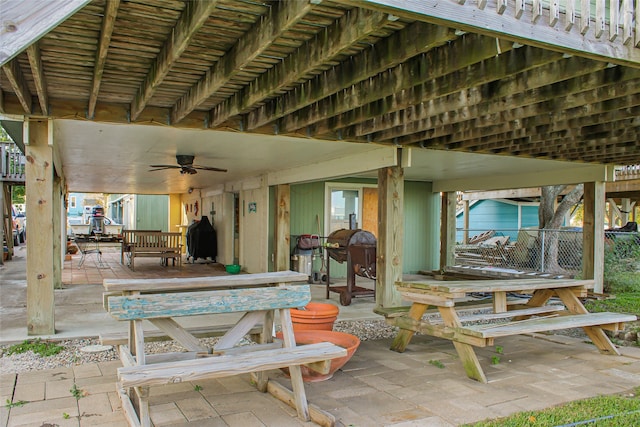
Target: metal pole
542, 254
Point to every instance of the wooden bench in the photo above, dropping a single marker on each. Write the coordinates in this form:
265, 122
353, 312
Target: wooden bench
154, 244
227, 357
127, 238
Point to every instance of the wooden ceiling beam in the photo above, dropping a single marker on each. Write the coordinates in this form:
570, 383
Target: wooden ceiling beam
501, 73
567, 94
423, 69
16, 79
495, 84
283, 15
545, 112
354, 26
549, 145
35, 62
415, 39
461, 134
108, 22
193, 17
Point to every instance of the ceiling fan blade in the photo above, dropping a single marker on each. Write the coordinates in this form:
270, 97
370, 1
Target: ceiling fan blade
165, 166
209, 168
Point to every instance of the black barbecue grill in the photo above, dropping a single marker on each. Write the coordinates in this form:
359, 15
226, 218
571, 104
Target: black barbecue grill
358, 248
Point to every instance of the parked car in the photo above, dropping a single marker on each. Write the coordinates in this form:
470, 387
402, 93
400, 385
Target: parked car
19, 221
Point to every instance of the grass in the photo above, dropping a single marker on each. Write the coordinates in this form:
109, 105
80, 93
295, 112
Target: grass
41, 348
625, 302
602, 411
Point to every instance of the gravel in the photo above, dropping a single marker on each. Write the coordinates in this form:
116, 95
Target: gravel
76, 352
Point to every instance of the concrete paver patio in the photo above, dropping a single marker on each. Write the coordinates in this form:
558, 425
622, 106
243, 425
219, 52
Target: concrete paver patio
378, 387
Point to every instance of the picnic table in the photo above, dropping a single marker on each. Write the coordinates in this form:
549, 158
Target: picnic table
163, 302
536, 315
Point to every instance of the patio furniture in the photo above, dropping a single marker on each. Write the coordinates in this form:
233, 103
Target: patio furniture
155, 244
226, 357
446, 294
128, 236
89, 244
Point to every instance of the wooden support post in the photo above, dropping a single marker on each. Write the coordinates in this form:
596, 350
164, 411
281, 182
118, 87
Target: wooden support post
466, 222
390, 235
625, 210
41, 274
58, 248
593, 234
447, 229
282, 228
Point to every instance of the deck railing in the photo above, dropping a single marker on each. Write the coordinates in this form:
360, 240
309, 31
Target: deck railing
12, 163
628, 172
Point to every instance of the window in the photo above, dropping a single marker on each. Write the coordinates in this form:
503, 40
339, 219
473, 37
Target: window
72, 202
350, 206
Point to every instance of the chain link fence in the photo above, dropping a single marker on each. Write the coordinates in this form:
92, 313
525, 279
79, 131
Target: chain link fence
534, 250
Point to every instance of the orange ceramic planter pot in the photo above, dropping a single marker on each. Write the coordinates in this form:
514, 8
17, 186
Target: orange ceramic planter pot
347, 341
315, 316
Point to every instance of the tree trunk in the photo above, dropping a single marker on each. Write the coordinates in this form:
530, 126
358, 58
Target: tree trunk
550, 218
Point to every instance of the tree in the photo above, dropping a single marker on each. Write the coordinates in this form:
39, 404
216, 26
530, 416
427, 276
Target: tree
550, 217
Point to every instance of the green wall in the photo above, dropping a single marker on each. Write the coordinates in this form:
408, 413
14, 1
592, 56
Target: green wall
422, 213
421, 227
152, 212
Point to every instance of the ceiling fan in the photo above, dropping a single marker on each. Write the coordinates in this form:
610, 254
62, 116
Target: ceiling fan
186, 166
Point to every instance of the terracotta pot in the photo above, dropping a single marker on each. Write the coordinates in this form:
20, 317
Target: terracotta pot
348, 341
315, 316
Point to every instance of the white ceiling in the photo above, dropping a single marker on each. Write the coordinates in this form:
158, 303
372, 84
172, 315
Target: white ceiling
115, 158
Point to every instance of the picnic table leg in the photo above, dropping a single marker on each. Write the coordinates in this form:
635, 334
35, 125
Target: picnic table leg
466, 352
538, 299
595, 333
262, 378
499, 302
299, 395
401, 341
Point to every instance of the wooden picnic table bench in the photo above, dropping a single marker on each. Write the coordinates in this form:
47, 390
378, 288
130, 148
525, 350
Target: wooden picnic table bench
228, 356
128, 237
155, 244
445, 294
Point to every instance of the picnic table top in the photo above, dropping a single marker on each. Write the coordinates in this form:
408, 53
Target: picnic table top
510, 285
207, 282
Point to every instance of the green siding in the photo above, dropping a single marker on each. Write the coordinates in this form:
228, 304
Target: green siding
152, 212
421, 213
307, 208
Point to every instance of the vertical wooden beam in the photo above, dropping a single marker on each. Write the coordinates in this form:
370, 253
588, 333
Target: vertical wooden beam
56, 229
625, 210
283, 226
593, 234
466, 221
41, 248
447, 229
390, 235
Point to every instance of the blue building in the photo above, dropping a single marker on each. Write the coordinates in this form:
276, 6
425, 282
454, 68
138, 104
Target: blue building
504, 216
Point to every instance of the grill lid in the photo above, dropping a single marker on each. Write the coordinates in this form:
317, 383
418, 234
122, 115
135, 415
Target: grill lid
345, 238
